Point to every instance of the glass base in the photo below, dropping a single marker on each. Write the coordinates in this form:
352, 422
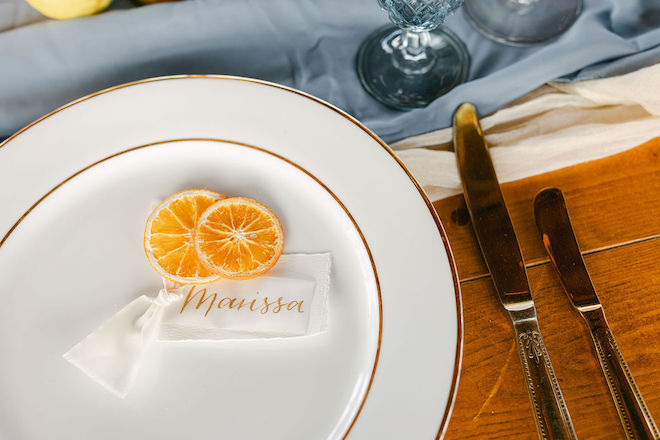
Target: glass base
522, 22
406, 91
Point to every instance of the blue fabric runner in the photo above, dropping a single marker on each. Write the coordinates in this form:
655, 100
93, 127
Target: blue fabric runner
306, 44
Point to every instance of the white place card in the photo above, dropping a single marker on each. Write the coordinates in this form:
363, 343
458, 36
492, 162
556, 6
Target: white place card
291, 300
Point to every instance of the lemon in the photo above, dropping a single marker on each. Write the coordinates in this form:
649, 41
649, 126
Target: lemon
64, 9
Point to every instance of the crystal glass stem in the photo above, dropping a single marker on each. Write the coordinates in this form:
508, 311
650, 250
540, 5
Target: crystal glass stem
412, 57
410, 64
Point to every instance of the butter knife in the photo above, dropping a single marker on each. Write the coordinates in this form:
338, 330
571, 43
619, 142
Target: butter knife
559, 240
500, 248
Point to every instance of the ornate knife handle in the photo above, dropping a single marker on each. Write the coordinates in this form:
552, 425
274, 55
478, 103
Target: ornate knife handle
551, 414
635, 416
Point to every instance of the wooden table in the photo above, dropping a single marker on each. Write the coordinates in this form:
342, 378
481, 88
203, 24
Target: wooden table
615, 207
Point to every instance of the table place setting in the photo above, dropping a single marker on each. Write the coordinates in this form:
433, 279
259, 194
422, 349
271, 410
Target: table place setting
396, 219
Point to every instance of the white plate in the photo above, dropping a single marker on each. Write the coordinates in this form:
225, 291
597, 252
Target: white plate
76, 187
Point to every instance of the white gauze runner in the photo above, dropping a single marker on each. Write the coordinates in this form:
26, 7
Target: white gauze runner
290, 300
558, 125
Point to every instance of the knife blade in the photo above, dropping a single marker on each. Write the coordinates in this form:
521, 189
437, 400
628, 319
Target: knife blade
554, 225
501, 251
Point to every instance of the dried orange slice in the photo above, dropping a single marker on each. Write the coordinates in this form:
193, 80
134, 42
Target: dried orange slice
168, 237
239, 238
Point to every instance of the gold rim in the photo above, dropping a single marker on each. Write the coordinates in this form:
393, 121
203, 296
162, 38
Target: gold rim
443, 234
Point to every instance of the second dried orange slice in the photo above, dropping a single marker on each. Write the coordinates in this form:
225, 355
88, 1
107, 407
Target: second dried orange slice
168, 237
239, 238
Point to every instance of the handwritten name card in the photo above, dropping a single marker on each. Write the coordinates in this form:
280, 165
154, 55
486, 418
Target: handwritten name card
261, 307
291, 300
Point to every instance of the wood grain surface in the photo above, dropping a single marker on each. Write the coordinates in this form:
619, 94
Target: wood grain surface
614, 204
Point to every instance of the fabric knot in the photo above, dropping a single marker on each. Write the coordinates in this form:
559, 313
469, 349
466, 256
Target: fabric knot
165, 298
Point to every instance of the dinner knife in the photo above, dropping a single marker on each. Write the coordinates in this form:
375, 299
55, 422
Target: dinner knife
559, 240
500, 248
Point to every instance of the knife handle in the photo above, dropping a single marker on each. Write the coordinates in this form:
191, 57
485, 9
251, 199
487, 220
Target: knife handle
635, 417
551, 414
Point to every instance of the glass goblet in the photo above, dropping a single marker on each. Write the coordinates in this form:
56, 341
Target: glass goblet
408, 65
522, 22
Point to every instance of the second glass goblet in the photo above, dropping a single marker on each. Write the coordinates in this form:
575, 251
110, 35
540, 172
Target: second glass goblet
409, 65
522, 22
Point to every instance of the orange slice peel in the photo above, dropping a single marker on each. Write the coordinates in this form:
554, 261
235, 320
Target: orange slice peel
169, 237
238, 238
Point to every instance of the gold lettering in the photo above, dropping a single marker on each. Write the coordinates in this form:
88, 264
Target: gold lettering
240, 304
279, 305
225, 298
232, 303
203, 299
252, 303
292, 305
264, 309
188, 298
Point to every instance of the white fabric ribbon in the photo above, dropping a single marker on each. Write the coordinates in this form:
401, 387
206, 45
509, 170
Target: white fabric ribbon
290, 301
111, 354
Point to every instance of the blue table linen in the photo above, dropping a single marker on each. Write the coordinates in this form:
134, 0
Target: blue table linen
306, 44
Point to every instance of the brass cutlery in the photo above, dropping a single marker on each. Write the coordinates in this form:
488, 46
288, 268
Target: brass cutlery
559, 240
501, 251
